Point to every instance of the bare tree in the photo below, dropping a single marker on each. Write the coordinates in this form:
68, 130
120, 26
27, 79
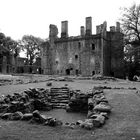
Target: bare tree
131, 24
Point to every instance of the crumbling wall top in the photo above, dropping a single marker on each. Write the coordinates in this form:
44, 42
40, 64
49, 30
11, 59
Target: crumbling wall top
53, 31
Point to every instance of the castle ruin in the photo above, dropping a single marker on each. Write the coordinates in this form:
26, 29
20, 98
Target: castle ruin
87, 54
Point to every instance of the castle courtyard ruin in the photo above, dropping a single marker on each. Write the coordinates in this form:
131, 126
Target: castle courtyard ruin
87, 54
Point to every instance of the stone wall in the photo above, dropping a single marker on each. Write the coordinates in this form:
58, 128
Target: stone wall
7, 62
116, 57
46, 60
86, 54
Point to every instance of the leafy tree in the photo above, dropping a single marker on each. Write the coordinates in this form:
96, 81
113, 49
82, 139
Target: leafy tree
31, 46
9, 44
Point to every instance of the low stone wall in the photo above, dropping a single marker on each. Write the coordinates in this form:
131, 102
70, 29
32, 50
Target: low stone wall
26, 106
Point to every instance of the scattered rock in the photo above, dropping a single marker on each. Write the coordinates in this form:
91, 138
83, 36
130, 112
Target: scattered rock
27, 117
53, 122
103, 107
26, 106
79, 122
49, 84
6, 116
16, 116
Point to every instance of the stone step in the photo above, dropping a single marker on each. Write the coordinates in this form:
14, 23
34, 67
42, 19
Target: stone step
59, 101
60, 96
61, 93
59, 107
59, 89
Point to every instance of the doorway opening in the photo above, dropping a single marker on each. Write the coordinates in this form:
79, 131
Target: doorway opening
67, 71
93, 72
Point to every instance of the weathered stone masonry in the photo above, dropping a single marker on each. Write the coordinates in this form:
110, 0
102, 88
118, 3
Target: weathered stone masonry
86, 54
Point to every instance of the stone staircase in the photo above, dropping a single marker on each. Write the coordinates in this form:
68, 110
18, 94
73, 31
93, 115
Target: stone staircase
59, 97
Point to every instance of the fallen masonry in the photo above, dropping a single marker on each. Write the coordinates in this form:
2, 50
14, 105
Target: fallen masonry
25, 106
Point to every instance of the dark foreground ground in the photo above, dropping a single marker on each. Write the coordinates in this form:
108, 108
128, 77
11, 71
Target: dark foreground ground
123, 123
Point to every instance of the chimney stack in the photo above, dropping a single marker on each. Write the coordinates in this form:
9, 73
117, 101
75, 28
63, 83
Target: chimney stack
117, 26
88, 25
64, 29
82, 31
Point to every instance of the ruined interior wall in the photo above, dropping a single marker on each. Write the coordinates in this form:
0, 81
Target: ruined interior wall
59, 58
4, 65
117, 62
88, 58
80, 56
98, 56
67, 56
106, 56
46, 58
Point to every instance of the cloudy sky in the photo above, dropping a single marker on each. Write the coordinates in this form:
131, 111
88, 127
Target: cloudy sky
25, 17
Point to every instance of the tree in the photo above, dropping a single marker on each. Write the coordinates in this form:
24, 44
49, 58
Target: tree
31, 46
130, 22
9, 44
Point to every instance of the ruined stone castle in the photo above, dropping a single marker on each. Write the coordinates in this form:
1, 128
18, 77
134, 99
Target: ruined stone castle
87, 54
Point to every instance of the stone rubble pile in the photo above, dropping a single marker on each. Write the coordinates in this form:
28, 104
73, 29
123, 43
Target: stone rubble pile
66, 79
108, 87
94, 102
98, 110
100, 77
25, 102
34, 117
26, 106
78, 101
5, 82
35, 99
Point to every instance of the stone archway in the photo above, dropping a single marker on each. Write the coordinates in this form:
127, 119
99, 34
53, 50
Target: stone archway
69, 69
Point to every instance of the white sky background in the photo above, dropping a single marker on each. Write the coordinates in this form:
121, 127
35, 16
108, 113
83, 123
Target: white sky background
33, 17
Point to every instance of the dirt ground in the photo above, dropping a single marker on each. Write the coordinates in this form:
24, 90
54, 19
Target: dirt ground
123, 123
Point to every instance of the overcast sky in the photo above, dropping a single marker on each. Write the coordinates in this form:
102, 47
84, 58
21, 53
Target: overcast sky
33, 17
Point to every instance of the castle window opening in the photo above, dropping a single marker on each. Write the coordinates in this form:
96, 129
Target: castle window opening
76, 71
93, 46
93, 73
71, 68
76, 56
79, 45
56, 62
67, 71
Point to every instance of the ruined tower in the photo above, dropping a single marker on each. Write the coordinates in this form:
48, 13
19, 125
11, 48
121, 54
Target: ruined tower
87, 54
